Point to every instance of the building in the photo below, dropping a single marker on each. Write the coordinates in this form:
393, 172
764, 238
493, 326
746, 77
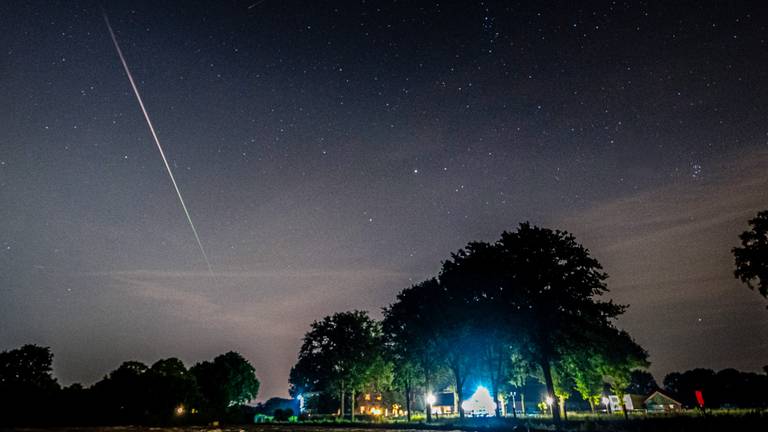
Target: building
661, 402
445, 404
379, 404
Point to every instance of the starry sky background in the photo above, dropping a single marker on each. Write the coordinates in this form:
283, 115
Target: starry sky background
333, 153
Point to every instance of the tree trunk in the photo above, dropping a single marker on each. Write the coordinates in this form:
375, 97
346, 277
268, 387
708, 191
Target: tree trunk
408, 399
591, 405
460, 399
522, 403
495, 359
352, 404
546, 369
624, 409
563, 411
341, 411
428, 388
459, 382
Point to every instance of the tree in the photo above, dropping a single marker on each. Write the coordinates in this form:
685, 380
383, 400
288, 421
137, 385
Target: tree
171, 386
406, 373
752, 257
584, 367
622, 355
520, 369
553, 284
563, 382
411, 326
26, 381
641, 382
340, 354
727, 387
535, 292
122, 396
227, 381
483, 323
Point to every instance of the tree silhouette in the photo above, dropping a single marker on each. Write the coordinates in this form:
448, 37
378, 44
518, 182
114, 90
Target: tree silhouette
553, 284
621, 357
412, 324
227, 381
641, 382
752, 257
122, 395
26, 381
172, 386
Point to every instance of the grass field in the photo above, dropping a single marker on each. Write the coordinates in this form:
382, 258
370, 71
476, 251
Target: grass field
730, 421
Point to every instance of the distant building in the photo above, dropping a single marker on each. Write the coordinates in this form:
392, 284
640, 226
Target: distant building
661, 402
445, 404
379, 404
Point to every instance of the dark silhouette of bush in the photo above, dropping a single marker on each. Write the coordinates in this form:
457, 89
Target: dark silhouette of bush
282, 414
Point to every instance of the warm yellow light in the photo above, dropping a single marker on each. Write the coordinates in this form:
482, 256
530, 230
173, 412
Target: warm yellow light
180, 410
376, 411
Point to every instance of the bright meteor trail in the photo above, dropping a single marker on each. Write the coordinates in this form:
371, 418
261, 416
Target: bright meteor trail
157, 141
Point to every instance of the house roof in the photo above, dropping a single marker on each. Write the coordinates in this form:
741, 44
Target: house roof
663, 395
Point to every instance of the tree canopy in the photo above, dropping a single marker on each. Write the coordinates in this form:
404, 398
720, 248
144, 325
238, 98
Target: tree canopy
752, 257
341, 354
534, 295
226, 381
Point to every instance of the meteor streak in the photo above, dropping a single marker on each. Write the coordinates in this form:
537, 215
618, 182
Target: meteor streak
157, 141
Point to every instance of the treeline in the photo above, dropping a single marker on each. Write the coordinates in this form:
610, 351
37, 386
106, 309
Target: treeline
728, 388
529, 305
162, 393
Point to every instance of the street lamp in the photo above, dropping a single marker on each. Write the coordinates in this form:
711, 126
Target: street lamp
431, 399
549, 401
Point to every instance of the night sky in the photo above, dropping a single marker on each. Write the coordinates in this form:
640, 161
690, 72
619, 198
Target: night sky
332, 153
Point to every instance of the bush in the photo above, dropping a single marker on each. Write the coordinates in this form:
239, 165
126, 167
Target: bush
283, 414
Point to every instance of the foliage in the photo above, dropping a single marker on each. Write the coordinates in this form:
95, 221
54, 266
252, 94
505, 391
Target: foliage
227, 381
641, 382
343, 354
553, 284
26, 381
411, 327
726, 388
282, 414
752, 257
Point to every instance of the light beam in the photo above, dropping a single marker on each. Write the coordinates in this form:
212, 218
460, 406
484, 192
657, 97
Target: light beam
157, 141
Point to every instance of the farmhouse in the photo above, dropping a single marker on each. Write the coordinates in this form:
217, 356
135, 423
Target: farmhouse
658, 402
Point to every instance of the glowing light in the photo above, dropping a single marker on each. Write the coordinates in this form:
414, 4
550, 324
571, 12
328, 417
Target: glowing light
157, 141
549, 400
431, 399
480, 404
179, 410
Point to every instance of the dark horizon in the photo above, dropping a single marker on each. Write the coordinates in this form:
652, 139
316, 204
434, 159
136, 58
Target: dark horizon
334, 154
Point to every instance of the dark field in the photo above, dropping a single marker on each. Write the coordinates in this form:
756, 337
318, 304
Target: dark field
743, 422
